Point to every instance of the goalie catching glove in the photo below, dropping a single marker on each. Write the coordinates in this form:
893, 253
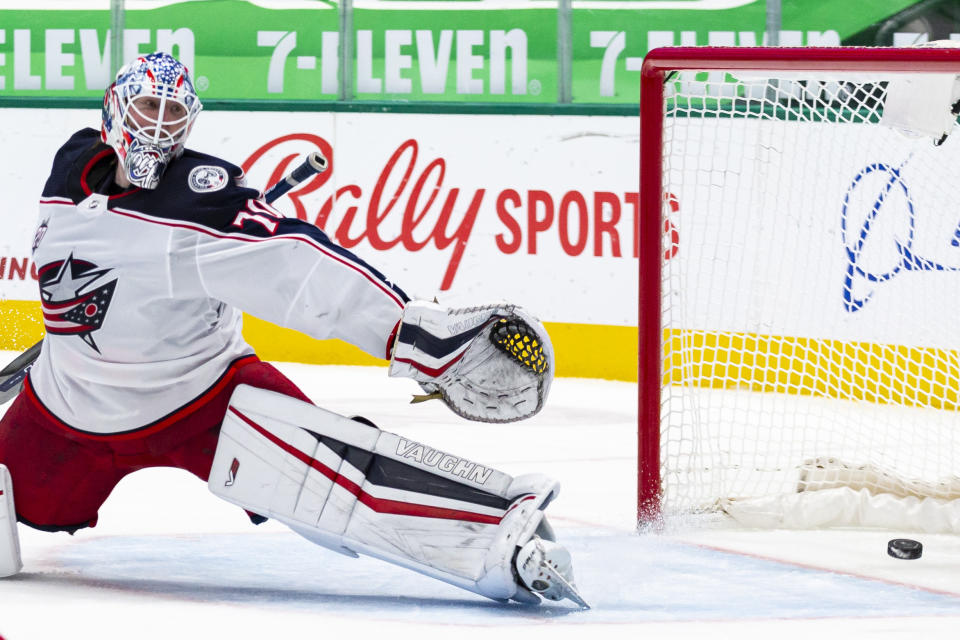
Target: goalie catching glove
491, 364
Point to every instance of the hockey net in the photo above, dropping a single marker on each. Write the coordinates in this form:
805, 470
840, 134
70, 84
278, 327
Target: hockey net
800, 289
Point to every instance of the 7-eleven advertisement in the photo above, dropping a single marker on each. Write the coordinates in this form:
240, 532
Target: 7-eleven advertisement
537, 210
503, 51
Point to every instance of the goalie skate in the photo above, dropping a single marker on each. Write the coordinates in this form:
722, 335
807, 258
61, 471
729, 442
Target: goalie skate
545, 568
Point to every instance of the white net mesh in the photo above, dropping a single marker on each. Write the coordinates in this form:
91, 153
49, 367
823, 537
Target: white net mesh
811, 315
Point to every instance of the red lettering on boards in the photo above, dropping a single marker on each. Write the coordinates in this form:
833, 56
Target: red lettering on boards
604, 200
671, 237
410, 205
573, 200
13, 268
411, 199
512, 198
576, 220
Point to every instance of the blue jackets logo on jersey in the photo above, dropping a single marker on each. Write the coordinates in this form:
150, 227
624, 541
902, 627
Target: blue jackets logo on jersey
71, 306
207, 178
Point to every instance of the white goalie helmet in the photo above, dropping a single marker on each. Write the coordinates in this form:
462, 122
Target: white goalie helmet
148, 113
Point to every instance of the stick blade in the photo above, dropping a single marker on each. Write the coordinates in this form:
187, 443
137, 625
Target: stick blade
12, 375
22, 360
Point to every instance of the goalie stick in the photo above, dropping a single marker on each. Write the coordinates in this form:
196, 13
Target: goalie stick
12, 375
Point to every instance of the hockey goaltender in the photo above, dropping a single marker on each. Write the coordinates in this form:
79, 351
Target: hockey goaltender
147, 252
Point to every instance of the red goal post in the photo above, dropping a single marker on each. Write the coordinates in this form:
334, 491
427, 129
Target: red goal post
657, 66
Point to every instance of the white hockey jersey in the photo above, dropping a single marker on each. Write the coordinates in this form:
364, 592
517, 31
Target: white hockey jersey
142, 290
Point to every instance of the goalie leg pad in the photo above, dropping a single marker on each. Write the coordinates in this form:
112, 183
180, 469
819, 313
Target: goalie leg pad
359, 490
10, 563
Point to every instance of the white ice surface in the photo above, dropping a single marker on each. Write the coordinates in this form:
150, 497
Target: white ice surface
169, 560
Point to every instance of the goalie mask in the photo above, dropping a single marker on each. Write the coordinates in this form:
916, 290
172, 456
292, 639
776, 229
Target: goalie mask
147, 115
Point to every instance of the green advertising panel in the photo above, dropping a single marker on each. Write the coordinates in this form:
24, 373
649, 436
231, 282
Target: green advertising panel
234, 49
444, 51
472, 55
609, 45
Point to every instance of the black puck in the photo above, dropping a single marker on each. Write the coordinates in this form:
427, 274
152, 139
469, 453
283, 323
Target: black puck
904, 549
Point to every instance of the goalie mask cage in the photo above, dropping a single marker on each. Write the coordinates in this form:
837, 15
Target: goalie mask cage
799, 287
